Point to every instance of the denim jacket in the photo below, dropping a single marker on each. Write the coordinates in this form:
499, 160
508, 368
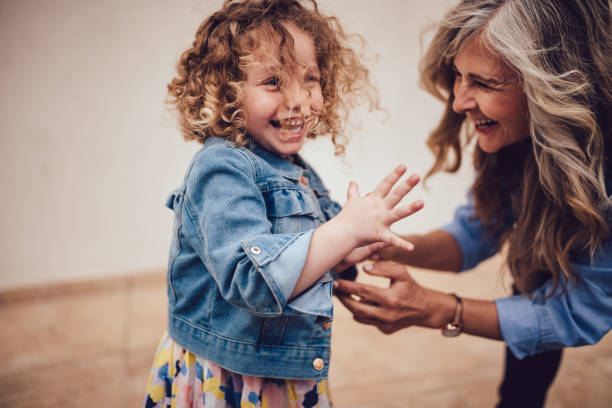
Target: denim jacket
244, 218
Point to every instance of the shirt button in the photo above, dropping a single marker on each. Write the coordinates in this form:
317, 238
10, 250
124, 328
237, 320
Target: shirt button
318, 364
255, 250
326, 325
304, 180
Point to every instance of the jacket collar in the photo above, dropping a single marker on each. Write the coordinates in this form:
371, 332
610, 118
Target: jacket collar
289, 168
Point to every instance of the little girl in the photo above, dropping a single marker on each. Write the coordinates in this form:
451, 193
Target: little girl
256, 234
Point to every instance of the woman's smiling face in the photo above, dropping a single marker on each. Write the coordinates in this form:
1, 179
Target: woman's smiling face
490, 94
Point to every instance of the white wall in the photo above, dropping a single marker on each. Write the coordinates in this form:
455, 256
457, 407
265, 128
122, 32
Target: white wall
89, 152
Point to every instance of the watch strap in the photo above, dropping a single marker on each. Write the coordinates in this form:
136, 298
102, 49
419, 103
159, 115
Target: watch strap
454, 328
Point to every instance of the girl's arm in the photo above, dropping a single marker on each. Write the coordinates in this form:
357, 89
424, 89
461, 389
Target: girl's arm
362, 221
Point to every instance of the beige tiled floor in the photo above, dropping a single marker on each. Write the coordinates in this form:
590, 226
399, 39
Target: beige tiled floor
91, 346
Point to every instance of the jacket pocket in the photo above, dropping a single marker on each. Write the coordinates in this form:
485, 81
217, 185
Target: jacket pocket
329, 207
288, 202
291, 211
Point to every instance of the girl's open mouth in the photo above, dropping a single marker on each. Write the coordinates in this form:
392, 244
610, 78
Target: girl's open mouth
290, 128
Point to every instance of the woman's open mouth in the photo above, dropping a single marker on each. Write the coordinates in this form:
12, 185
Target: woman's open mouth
485, 124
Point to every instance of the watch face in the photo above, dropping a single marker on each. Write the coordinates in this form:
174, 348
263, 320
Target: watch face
451, 330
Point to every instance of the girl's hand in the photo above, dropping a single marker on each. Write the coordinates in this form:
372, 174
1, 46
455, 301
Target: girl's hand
368, 219
360, 254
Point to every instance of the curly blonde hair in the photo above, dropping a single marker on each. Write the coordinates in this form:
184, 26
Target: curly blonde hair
207, 89
554, 181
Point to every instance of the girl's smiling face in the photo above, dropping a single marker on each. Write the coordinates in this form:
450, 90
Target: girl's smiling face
279, 113
490, 94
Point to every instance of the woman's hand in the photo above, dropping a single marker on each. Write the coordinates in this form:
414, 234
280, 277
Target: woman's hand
404, 303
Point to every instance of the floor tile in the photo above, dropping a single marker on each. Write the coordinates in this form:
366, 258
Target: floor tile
95, 349
146, 312
55, 330
92, 382
579, 385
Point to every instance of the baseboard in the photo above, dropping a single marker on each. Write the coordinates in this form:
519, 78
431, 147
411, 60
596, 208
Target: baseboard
56, 289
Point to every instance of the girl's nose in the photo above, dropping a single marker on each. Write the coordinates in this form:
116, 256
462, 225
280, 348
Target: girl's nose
295, 96
463, 99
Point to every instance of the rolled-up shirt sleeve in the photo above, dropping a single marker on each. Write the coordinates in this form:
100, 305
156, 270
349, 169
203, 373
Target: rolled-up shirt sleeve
531, 324
580, 316
253, 268
475, 242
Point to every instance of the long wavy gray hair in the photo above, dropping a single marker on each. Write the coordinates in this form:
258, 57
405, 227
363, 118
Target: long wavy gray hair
554, 180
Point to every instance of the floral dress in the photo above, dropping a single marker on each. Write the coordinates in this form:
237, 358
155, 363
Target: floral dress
180, 379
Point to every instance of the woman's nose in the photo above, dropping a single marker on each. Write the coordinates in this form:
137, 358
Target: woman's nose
463, 98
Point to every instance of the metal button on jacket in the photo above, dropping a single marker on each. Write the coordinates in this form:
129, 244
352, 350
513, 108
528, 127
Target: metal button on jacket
326, 325
255, 250
304, 180
318, 364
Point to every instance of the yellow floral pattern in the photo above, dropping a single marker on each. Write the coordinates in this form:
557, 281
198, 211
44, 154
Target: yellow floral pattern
180, 379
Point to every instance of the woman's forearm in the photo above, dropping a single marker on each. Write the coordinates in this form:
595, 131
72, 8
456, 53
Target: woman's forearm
434, 250
479, 316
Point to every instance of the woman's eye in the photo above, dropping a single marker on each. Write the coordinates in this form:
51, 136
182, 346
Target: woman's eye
482, 85
312, 78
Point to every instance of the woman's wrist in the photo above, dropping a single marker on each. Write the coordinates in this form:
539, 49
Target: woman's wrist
478, 317
440, 309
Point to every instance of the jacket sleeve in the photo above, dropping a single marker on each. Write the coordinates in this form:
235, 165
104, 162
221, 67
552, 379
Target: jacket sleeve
254, 269
580, 316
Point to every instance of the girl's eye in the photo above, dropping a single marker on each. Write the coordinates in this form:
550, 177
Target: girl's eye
272, 81
312, 78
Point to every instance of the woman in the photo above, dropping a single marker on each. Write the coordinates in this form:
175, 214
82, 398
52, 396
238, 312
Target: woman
531, 81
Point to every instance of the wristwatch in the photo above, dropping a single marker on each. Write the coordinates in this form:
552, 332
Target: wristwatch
455, 328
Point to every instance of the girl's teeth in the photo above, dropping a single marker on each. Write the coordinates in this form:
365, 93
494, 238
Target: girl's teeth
292, 125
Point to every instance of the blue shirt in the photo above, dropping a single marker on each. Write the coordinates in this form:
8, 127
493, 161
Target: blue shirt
582, 315
244, 218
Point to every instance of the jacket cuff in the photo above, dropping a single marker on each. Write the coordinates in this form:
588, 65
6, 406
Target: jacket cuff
281, 262
316, 300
